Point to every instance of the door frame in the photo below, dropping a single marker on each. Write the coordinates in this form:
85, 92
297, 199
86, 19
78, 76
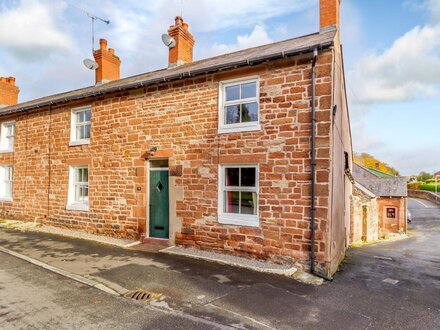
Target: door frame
147, 218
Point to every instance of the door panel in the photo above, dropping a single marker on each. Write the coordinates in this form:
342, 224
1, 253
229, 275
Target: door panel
159, 204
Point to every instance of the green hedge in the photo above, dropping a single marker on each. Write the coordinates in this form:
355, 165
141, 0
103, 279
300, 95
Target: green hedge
429, 187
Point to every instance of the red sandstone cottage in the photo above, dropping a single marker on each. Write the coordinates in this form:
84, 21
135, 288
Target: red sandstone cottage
247, 153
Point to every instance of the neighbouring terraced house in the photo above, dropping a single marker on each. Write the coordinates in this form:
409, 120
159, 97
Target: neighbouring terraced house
247, 153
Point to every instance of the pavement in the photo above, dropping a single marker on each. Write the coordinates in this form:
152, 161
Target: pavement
384, 285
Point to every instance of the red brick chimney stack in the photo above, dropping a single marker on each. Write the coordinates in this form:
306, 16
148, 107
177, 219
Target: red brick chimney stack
8, 92
109, 63
183, 51
329, 14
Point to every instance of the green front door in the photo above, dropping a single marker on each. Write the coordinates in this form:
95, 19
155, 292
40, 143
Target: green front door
159, 204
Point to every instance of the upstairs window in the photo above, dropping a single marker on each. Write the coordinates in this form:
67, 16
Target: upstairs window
6, 180
78, 188
239, 105
80, 126
238, 195
7, 136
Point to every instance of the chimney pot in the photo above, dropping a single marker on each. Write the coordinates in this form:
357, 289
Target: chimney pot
108, 63
183, 51
178, 20
8, 91
103, 44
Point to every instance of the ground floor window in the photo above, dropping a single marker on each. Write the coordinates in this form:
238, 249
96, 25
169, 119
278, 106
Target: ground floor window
78, 197
238, 195
391, 212
6, 180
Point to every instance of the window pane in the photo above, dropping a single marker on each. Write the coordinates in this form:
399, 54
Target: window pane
160, 163
232, 93
78, 175
232, 202
232, 177
249, 112
232, 114
248, 203
88, 115
10, 142
248, 177
249, 90
8, 189
10, 130
79, 117
87, 132
78, 132
85, 175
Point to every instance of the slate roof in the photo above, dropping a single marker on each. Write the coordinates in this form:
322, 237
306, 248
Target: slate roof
392, 186
379, 173
247, 57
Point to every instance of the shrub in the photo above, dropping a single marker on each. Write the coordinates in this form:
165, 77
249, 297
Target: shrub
414, 185
430, 187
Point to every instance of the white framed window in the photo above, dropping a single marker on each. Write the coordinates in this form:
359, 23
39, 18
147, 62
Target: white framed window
238, 195
6, 182
81, 122
78, 195
7, 136
239, 105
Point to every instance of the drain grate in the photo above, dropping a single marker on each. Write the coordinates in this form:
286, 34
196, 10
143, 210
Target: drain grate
142, 295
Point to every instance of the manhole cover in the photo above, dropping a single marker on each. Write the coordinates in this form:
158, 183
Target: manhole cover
142, 295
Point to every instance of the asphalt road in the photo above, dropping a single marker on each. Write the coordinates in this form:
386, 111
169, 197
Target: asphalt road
385, 285
33, 298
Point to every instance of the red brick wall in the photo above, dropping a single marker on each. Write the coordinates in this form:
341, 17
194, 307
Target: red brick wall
181, 118
389, 225
329, 13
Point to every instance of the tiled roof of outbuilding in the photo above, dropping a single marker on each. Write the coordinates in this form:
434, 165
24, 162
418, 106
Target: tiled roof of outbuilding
241, 58
393, 186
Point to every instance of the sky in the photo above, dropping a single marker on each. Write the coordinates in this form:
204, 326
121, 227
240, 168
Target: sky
391, 54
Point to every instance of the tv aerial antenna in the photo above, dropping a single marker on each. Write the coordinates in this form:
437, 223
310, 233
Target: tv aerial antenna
90, 64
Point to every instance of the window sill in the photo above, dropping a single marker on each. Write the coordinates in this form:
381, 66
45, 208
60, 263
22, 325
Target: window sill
79, 143
5, 199
238, 220
77, 207
5, 151
238, 129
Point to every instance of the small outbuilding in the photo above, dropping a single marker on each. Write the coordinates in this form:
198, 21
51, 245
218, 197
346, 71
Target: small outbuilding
379, 205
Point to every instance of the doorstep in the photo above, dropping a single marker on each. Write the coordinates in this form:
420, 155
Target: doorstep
150, 244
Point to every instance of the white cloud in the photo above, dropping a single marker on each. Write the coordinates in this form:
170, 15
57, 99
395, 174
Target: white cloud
257, 37
29, 30
209, 15
409, 69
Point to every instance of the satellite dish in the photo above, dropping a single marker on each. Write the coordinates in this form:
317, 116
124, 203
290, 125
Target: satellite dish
90, 64
168, 41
